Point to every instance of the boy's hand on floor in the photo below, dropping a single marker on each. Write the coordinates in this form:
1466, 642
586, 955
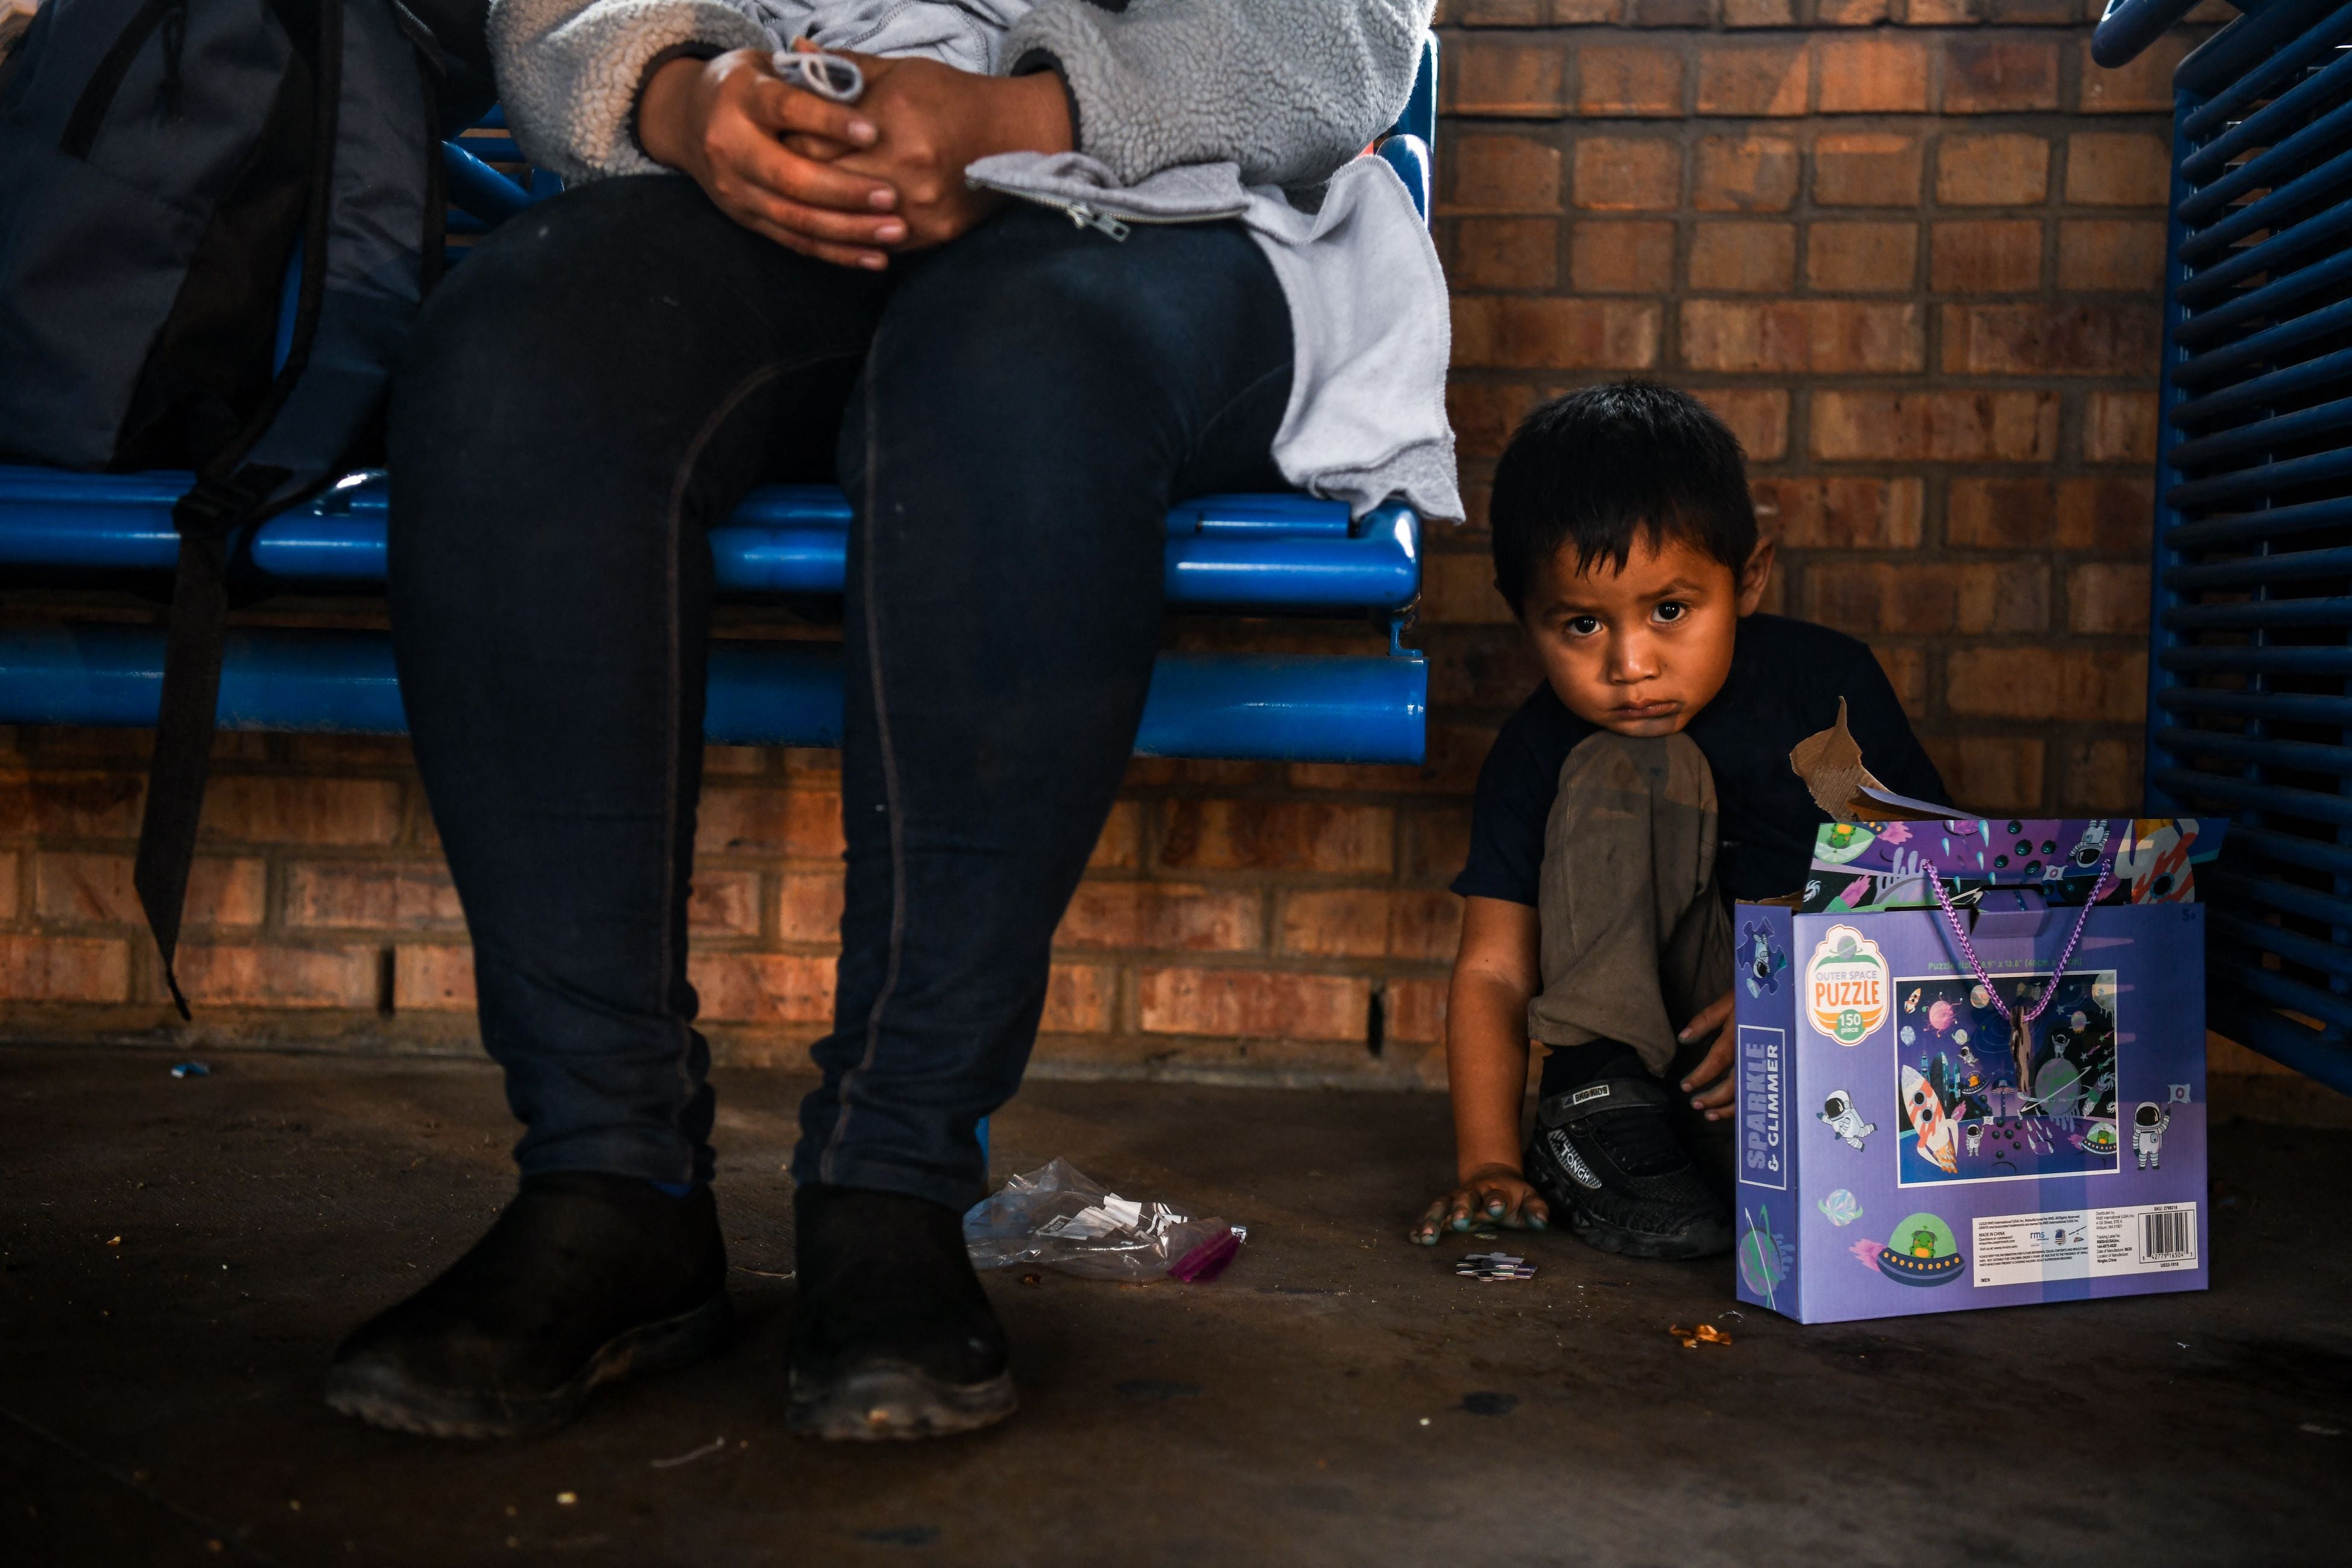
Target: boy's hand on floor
1491, 1194
1710, 1083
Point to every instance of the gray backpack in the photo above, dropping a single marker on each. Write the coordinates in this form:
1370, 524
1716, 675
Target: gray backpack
217, 219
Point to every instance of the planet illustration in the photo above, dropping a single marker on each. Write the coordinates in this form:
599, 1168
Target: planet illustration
1910, 1034
1979, 997
1960, 1036
1841, 1207
2081, 1020
1923, 1251
1939, 1015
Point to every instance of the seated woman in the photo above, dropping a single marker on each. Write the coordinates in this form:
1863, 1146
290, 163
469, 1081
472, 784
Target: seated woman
1012, 401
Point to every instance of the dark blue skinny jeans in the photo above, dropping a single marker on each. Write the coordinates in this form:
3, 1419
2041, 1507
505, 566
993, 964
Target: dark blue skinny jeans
1011, 415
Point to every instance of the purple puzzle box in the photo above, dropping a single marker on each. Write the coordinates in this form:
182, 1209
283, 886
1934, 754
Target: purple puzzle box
1905, 1147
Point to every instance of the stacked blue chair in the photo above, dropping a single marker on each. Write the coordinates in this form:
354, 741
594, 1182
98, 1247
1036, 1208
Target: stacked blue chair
1249, 555
2250, 715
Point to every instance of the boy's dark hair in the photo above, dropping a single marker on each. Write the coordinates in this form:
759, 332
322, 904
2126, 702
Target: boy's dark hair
1599, 468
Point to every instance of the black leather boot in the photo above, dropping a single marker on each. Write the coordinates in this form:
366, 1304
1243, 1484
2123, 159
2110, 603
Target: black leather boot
584, 1278
892, 1335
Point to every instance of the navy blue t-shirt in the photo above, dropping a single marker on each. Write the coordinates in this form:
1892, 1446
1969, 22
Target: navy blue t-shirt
1785, 681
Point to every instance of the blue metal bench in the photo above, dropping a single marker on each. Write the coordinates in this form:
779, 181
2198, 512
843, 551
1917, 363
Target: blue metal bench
1254, 554
2250, 715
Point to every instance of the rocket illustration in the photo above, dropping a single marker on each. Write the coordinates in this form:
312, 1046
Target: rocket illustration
1928, 1121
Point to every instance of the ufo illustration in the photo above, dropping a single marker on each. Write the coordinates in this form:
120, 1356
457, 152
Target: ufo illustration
1840, 842
2101, 1139
1923, 1252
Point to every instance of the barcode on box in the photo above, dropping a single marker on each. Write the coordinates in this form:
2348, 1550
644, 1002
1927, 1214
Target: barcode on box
2167, 1234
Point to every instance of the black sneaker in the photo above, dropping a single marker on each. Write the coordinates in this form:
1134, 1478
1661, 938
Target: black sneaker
584, 1278
892, 1335
1607, 1156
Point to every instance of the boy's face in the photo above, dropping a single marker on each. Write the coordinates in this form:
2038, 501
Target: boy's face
1641, 651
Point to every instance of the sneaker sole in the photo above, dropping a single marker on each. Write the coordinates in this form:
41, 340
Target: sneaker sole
1708, 1241
890, 1403
384, 1397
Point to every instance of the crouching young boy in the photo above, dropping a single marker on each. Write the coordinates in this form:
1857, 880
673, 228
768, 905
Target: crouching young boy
1641, 789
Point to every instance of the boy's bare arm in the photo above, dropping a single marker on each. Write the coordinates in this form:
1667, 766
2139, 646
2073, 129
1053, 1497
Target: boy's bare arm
1496, 974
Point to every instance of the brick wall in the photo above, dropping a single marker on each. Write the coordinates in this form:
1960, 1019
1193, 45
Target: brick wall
1912, 256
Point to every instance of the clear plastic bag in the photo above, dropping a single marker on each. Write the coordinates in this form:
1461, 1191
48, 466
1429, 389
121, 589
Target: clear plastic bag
1059, 1217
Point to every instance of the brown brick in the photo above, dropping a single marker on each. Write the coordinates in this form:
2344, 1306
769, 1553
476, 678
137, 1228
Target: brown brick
1988, 773
2109, 514
1873, 75
1484, 413
1672, 12
54, 805
2051, 340
1519, 332
1758, 416
1942, 426
1498, 174
258, 809
1371, 922
2100, 778
1842, 514
1753, 79
723, 903
1832, 335
11, 872
1986, 256
1496, 12
1078, 999
2112, 515
1926, 600
1458, 590
1506, 76
1278, 836
1169, 916
1504, 253
1999, 75
1619, 79
1617, 173
2002, 514
1743, 258
1850, 13
368, 894
1211, 773
1861, 257
1253, 1004
64, 969
2034, 684
2117, 170
1415, 1013
1120, 847
1449, 767
95, 890
766, 820
255, 975
808, 906
1943, 12
1758, 13
1631, 258
2111, 253
762, 987
2119, 428
2142, 87
432, 977
1745, 174
2107, 598
1866, 169
1439, 840
2003, 170
1906, 671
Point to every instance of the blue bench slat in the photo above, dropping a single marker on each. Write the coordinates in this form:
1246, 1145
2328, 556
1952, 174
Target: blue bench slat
1273, 706
1243, 551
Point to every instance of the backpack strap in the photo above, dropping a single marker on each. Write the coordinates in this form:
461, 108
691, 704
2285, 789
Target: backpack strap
207, 518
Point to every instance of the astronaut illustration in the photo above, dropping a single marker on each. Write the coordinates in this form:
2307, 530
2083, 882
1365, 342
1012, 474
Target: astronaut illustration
2148, 1124
2093, 847
1845, 1120
1974, 1133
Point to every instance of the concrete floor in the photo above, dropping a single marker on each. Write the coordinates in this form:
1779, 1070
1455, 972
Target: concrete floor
1337, 1397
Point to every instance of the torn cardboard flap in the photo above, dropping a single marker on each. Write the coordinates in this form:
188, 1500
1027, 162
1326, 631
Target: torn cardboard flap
1830, 764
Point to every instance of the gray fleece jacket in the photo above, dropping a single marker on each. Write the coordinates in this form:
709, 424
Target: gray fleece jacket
1185, 108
